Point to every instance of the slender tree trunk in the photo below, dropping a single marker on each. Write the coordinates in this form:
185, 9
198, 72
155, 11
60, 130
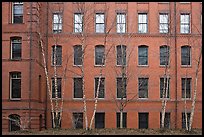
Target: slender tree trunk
121, 118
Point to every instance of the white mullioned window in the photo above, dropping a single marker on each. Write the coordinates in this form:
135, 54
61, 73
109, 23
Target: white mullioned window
121, 23
185, 23
17, 17
15, 85
78, 22
57, 22
142, 23
163, 23
100, 23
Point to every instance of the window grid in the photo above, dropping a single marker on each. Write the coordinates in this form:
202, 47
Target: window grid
142, 23
59, 86
143, 55
186, 55
57, 22
100, 23
143, 87
78, 91
58, 55
185, 23
121, 22
78, 55
101, 87
186, 86
17, 12
164, 55
121, 55
163, 23
16, 48
99, 55
121, 83
15, 83
78, 22
164, 87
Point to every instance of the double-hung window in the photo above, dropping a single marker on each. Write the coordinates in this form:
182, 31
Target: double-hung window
186, 55
164, 55
57, 22
163, 23
186, 87
78, 92
99, 55
100, 87
142, 23
100, 23
121, 23
57, 90
78, 55
121, 55
143, 55
164, 87
17, 12
16, 48
57, 55
121, 87
78, 22
143, 87
15, 85
185, 23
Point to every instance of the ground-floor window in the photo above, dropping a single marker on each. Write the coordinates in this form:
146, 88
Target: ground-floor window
166, 120
100, 120
124, 119
78, 120
14, 122
184, 119
143, 120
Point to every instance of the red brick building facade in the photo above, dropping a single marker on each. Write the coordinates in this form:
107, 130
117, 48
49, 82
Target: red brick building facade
144, 28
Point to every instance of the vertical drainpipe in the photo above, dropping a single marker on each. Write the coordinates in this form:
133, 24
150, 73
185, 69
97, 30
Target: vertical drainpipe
30, 69
175, 43
46, 36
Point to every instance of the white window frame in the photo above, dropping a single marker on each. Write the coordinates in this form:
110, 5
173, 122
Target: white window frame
121, 22
16, 77
143, 22
185, 23
79, 22
99, 20
19, 41
95, 56
163, 21
58, 22
16, 3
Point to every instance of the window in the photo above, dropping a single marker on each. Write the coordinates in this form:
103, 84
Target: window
99, 55
142, 22
17, 12
164, 55
124, 119
14, 122
57, 22
185, 23
164, 87
143, 120
121, 55
78, 22
56, 120
163, 23
186, 87
58, 90
16, 48
78, 93
185, 55
100, 120
121, 23
121, 87
58, 55
78, 55
166, 120
143, 87
78, 120
101, 87
100, 23
143, 55
184, 119
15, 82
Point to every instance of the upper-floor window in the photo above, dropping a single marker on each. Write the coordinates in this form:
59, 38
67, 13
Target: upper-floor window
121, 87
78, 92
142, 23
164, 55
163, 23
121, 23
78, 22
78, 55
101, 87
58, 85
57, 55
17, 12
16, 48
57, 22
186, 87
185, 23
143, 55
15, 85
121, 55
185, 55
99, 55
100, 23
164, 87
143, 87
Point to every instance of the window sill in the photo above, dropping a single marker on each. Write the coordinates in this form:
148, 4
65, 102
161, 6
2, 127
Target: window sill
185, 99
77, 65
77, 99
15, 59
15, 99
165, 98
56, 66
163, 66
17, 23
99, 65
142, 98
57, 98
120, 65
186, 66
120, 98
143, 66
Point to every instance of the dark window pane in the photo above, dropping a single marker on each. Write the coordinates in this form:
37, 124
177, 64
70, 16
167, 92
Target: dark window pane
124, 119
185, 55
15, 85
78, 93
78, 55
99, 55
186, 86
101, 87
17, 12
121, 88
164, 55
166, 120
14, 121
184, 120
100, 120
121, 55
78, 120
143, 55
59, 82
58, 55
164, 87
16, 49
56, 119
143, 120
143, 87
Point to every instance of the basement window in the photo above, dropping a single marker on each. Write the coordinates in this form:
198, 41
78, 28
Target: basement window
124, 119
166, 120
143, 120
78, 120
100, 120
